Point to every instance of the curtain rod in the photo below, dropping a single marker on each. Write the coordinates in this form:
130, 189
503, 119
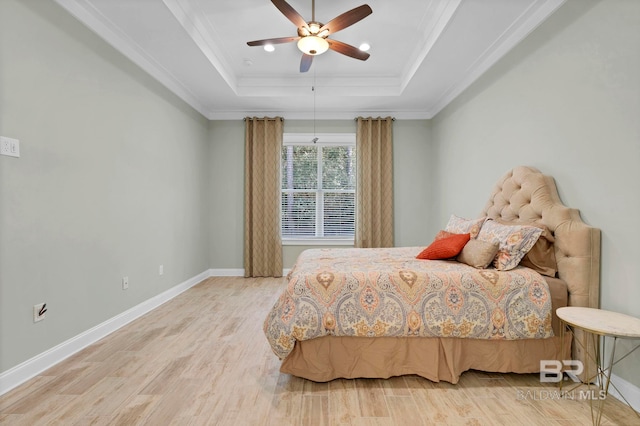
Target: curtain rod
356, 119
281, 119
263, 118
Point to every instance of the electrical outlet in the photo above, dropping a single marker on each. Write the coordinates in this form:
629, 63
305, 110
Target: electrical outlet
161, 270
39, 311
125, 283
9, 146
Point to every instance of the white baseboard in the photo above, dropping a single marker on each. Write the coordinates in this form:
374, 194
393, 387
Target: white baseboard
236, 272
36, 365
226, 272
629, 390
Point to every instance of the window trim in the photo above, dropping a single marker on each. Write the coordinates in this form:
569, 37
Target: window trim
341, 139
317, 241
323, 139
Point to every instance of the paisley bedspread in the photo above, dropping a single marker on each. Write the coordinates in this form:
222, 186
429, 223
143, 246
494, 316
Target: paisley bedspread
388, 292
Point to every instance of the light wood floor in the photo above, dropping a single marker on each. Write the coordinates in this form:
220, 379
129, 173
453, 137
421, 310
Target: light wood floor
202, 359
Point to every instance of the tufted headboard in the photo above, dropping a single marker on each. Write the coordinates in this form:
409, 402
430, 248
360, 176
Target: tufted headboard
525, 194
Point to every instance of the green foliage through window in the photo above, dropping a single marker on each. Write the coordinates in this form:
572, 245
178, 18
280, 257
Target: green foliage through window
318, 190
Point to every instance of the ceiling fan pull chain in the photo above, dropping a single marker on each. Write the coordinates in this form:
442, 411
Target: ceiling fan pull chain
313, 89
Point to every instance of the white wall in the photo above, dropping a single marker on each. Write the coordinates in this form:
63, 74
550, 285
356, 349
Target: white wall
567, 101
111, 181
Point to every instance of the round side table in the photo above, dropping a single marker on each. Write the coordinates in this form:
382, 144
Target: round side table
607, 324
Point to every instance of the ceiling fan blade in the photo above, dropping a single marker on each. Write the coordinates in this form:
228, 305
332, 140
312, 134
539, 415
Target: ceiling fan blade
305, 62
279, 40
346, 19
347, 49
290, 13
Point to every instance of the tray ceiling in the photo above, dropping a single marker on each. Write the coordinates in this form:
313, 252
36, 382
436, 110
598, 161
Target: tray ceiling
423, 52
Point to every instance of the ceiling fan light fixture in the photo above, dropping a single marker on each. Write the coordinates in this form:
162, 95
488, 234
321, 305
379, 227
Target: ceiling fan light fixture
314, 27
313, 45
313, 35
269, 47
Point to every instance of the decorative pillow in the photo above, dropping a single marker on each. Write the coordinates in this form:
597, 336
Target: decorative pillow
459, 225
542, 256
444, 234
445, 248
514, 240
478, 253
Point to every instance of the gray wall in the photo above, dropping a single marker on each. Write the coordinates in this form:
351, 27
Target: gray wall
567, 101
118, 176
111, 181
412, 177
226, 194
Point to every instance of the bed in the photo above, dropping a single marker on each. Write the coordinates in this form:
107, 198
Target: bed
378, 313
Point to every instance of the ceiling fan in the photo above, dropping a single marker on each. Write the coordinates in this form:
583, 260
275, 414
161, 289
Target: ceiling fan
313, 36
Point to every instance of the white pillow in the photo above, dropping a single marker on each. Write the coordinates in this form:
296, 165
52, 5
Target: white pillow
459, 225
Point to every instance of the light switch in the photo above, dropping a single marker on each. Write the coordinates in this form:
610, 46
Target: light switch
9, 146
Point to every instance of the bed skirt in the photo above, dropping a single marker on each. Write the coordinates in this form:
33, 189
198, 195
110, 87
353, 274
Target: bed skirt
330, 357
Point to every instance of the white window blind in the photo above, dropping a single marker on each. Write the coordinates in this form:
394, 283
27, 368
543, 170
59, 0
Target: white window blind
318, 186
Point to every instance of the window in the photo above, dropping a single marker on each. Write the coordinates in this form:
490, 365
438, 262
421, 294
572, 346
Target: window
318, 187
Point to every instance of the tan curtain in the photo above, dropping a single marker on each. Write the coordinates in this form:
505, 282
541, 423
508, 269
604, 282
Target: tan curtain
374, 187
262, 241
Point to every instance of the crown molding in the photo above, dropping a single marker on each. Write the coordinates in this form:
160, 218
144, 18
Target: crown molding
320, 116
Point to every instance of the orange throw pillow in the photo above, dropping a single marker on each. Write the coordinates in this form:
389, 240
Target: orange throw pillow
445, 248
